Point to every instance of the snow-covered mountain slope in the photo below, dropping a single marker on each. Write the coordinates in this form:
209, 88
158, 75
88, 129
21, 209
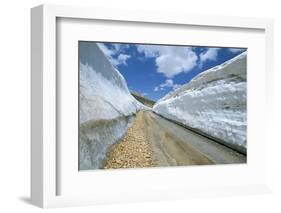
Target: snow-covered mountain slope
213, 103
106, 105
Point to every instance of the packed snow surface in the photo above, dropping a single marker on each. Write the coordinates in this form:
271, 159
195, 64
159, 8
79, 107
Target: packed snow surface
213, 103
106, 106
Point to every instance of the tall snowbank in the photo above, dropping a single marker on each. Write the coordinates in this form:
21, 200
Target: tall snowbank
213, 103
106, 106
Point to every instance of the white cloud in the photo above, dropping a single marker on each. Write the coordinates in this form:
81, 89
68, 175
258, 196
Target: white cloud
122, 58
170, 60
114, 56
120, 47
169, 83
156, 89
149, 50
210, 54
235, 50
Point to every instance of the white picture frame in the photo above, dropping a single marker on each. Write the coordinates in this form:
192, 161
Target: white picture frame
44, 149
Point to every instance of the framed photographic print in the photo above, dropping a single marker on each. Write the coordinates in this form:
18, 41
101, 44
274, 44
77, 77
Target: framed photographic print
149, 106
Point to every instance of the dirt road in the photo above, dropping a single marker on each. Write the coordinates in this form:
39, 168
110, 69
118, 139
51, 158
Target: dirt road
155, 141
134, 150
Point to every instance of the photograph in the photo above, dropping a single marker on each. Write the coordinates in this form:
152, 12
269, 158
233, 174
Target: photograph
161, 105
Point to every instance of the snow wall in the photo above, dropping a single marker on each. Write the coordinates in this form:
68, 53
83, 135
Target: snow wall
106, 106
213, 103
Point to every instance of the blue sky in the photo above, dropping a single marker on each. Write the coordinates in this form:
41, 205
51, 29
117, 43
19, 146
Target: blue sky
155, 70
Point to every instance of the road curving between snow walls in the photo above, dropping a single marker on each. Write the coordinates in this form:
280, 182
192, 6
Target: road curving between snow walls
106, 106
214, 103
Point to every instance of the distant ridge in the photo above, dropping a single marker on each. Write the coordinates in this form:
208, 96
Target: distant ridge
144, 100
